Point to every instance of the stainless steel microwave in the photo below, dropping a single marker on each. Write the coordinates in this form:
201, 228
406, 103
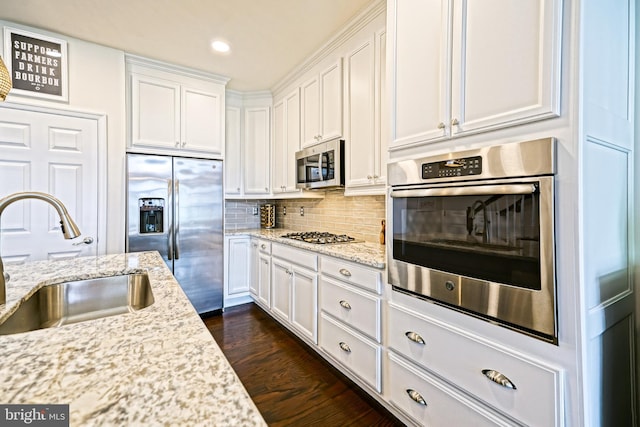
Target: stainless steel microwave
321, 166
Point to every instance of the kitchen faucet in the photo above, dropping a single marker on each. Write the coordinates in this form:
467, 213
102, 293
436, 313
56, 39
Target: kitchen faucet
471, 214
69, 228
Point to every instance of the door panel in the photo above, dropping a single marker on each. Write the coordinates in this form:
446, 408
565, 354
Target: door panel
149, 177
55, 154
198, 261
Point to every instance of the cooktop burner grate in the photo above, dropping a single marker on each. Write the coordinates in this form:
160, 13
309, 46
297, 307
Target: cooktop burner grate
319, 237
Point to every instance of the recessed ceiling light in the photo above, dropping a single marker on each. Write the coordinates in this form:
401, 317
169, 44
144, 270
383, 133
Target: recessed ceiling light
220, 46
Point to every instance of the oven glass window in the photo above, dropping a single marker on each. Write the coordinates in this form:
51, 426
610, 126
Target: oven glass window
317, 167
494, 238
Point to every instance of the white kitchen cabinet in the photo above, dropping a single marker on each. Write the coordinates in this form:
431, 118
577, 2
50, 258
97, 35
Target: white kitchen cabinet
364, 130
264, 280
430, 402
233, 152
174, 110
321, 111
254, 259
248, 145
294, 284
257, 151
461, 67
237, 274
511, 383
286, 141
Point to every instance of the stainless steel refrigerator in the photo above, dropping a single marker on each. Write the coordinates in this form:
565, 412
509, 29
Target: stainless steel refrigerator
174, 206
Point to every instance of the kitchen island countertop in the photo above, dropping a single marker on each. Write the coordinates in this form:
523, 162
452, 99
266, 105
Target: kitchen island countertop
157, 366
366, 253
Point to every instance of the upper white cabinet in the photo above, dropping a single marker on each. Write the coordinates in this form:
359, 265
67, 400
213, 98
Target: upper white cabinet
321, 111
174, 109
286, 141
256, 154
248, 145
459, 67
365, 119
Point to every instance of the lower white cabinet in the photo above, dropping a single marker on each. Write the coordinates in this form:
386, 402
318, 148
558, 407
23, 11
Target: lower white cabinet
430, 402
526, 390
354, 351
237, 265
260, 283
294, 286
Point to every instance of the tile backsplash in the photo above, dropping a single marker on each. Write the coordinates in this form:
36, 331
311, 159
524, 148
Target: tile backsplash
357, 216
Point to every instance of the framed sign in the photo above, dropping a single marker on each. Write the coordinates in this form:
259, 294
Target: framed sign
37, 64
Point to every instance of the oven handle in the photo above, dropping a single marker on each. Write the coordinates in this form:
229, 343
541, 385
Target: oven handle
480, 190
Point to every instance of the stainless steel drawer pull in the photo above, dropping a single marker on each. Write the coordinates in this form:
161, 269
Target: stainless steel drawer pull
345, 272
416, 397
345, 304
415, 337
344, 347
498, 378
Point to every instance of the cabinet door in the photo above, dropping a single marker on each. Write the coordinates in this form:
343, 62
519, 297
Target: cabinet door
292, 137
305, 302
310, 112
331, 102
238, 268
360, 108
201, 121
419, 35
256, 153
233, 152
279, 148
254, 277
155, 112
505, 63
281, 288
264, 280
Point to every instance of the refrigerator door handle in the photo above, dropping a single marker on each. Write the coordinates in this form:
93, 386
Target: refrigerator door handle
170, 231
176, 214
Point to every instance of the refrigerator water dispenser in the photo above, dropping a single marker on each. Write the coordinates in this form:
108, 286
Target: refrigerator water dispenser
151, 215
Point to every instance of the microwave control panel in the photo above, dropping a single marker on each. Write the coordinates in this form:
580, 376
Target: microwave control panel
452, 168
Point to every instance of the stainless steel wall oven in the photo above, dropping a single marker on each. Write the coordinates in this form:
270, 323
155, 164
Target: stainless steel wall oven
474, 230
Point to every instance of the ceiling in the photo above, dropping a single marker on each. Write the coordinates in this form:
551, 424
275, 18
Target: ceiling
268, 38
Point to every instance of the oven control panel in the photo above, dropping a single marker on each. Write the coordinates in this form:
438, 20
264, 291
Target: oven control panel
452, 168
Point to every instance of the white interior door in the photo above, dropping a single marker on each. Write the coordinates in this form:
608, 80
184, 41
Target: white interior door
55, 154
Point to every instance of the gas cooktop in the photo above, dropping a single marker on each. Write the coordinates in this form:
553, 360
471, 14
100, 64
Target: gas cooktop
319, 237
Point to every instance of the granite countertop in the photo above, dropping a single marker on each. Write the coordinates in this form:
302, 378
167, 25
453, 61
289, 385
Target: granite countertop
157, 366
366, 253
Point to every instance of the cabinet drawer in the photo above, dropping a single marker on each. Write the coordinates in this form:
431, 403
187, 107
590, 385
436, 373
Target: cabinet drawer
430, 402
367, 278
296, 256
353, 307
467, 362
357, 353
264, 246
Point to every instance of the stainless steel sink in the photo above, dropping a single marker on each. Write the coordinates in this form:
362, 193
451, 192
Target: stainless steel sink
72, 302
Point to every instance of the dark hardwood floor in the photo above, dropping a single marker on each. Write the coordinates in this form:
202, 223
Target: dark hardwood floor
290, 383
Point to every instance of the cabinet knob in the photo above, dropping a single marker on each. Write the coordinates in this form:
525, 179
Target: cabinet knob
345, 272
263, 246
345, 304
184, 143
415, 337
238, 189
441, 125
499, 378
369, 177
375, 177
454, 122
266, 189
416, 397
344, 347
177, 144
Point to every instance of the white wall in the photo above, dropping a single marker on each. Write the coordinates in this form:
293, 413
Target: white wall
96, 85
